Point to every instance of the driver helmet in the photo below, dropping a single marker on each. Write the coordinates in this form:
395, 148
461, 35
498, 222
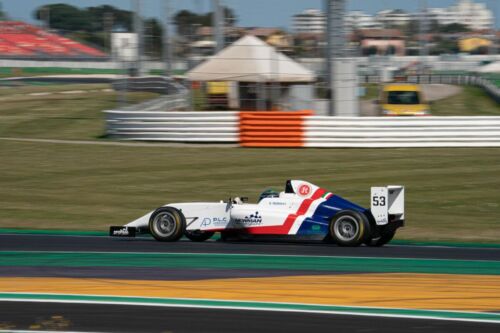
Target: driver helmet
269, 194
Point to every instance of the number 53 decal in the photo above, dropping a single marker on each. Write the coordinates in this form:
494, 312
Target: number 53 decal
378, 201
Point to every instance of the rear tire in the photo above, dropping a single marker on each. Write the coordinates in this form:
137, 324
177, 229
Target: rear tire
167, 224
198, 235
385, 238
349, 228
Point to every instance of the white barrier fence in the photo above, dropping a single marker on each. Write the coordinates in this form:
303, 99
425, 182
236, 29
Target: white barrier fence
207, 127
377, 132
317, 131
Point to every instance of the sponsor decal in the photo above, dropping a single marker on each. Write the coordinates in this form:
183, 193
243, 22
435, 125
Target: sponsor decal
121, 232
252, 219
215, 221
304, 189
277, 203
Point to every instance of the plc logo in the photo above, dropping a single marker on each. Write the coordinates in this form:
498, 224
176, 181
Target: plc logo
304, 189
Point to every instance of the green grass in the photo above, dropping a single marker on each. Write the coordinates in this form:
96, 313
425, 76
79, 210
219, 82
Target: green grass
472, 101
452, 194
372, 91
37, 71
58, 115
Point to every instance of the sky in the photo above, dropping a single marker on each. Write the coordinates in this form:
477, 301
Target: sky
264, 13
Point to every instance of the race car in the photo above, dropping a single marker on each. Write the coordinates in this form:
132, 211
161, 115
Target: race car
302, 210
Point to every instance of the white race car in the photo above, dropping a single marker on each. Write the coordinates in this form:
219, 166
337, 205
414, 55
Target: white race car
301, 210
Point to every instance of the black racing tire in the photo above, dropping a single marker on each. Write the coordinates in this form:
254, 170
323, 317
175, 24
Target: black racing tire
167, 224
385, 238
349, 228
198, 235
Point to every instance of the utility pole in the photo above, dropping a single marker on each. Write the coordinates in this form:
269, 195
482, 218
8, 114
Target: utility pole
496, 38
423, 28
218, 23
335, 41
167, 50
139, 33
108, 28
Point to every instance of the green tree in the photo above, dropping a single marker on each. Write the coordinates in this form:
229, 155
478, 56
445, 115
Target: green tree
64, 17
92, 19
153, 32
187, 21
454, 28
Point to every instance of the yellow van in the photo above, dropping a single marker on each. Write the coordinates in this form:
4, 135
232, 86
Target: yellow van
398, 99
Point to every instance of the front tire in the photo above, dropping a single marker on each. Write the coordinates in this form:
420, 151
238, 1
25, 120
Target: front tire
198, 235
167, 224
349, 228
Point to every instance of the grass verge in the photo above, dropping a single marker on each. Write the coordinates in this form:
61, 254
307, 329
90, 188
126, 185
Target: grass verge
472, 101
452, 194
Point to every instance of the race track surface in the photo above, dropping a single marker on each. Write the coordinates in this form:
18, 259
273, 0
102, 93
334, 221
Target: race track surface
116, 318
147, 244
102, 284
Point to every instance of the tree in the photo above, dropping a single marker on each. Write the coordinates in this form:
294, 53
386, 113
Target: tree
187, 21
390, 50
153, 32
454, 28
92, 19
369, 51
444, 46
413, 27
64, 17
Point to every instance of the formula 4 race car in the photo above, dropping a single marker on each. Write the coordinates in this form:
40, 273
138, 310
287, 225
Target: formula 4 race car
302, 210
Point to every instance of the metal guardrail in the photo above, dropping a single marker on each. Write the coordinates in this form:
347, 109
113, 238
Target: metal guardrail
189, 127
310, 131
378, 132
155, 84
163, 103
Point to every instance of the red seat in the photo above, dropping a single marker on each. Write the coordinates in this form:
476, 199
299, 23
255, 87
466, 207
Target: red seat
19, 38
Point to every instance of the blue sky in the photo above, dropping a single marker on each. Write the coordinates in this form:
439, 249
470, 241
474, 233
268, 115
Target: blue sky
266, 13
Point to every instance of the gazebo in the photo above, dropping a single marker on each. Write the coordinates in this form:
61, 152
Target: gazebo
264, 77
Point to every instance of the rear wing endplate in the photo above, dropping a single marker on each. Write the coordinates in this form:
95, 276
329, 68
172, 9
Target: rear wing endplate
388, 203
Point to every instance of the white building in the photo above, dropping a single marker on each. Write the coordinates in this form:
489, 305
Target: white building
476, 16
124, 46
309, 21
393, 18
357, 19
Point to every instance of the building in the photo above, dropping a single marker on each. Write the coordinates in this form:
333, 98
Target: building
355, 20
474, 44
476, 16
380, 41
393, 18
309, 21
274, 37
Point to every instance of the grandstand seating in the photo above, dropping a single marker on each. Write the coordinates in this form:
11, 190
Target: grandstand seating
25, 40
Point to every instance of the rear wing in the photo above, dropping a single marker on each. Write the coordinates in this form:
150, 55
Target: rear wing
388, 203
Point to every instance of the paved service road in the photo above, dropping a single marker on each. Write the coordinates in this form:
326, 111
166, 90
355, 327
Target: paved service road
432, 92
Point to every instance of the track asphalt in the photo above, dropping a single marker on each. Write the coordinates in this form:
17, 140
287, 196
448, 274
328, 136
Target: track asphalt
423, 277
15, 242
118, 318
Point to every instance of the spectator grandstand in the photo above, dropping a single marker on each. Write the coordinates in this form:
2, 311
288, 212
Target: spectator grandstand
22, 40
